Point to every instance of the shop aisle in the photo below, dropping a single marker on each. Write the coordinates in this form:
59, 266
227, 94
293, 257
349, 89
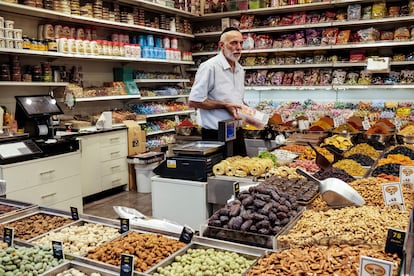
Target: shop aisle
104, 207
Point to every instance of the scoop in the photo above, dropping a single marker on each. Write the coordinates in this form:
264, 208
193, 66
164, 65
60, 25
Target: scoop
336, 192
321, 160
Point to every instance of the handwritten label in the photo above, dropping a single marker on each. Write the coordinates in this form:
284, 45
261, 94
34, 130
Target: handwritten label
371, 266
393, 196
407, 177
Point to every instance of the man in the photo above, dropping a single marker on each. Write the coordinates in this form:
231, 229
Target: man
218, 89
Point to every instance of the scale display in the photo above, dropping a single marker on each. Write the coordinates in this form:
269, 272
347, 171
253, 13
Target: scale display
39, 105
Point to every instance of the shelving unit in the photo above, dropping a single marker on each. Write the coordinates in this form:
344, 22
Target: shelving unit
209, 35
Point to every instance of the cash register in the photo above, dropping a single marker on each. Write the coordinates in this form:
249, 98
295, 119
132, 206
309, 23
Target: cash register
194, 161
35, 114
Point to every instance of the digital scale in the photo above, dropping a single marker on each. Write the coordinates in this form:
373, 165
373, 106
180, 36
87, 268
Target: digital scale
34, 115
195, 161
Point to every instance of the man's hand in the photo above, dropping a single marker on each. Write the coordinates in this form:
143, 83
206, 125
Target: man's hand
232, 109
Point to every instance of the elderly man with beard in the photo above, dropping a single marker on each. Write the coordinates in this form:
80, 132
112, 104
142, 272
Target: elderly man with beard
218, 89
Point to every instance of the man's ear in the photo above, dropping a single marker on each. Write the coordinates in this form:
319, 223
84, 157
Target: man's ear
221, 43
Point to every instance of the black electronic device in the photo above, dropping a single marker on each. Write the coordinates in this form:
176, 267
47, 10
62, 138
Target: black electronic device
195, 168
33, 114
227, 134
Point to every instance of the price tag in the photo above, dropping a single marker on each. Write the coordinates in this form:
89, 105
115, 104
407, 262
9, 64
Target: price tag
371, 266
338, 121
407, 177
393, 196
395, 242
398, 125
74, 212
365, 123
236, 189
57, 248
127, 265
124, 225
8, 235
186, 235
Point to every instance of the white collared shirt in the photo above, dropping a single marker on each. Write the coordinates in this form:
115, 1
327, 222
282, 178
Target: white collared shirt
215, 80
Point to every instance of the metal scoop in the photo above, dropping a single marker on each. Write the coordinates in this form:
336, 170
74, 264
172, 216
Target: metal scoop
320, 160
335, 192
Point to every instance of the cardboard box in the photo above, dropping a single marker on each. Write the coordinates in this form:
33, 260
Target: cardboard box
136, 138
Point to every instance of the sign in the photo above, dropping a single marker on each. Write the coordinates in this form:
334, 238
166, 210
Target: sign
74, 212
407, 177
236, 189
124, 225
393, 196
378, 65
57, 248
370, 266
127, 265
365, 123
395, 242
186, 235
8, 235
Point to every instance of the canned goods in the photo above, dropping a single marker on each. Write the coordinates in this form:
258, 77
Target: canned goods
17, 33
9, 24
18, 43
8, 33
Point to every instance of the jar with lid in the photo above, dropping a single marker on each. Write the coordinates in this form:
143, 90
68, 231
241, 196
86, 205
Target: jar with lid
121, 49
110, 46
86, 47
71, 45
52, 45
115, 49
166, 42
27, 43
94, 47
34, 45
105, 47
174, 43
79, 46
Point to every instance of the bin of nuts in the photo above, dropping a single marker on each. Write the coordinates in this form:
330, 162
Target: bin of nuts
148, 250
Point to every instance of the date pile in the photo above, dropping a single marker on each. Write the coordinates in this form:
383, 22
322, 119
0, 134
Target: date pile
263, 209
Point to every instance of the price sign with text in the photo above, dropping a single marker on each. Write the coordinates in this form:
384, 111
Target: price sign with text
57, 248
8, 235
75, 213
124, 225
127, 265
236, 189
371, 266
395, 242
407, 177
393, 196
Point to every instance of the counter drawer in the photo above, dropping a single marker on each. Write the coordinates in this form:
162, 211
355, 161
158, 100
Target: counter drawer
114, 166
114, 180
113, 138
50, 193
114, 152
23, 175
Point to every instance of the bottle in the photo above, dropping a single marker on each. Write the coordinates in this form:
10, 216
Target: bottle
13, 126
1, 119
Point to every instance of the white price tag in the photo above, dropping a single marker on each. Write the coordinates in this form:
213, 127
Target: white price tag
372, 266
365, 123
379, 65
398, 125
338, 121
393, 196
407, 177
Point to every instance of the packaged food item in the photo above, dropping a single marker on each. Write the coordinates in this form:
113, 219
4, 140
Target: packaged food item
387, 35
379, 10
366, 12
401, 34
253, 116
394, 11
354, 12
329, 36
343, 37
368, 35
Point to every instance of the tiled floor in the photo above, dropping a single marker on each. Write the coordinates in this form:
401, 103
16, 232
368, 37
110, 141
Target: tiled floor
103, 207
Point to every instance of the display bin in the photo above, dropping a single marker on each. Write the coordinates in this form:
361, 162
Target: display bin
10, 207
112, 244
82, 237
247, 238
82, 267
249, 253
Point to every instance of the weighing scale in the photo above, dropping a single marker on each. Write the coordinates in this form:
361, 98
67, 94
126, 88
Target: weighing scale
34, 115
195, 161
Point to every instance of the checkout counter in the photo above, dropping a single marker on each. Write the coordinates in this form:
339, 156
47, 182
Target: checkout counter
36, 166
35, 115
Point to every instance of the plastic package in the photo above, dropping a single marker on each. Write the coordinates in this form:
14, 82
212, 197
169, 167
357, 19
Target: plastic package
253, 116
